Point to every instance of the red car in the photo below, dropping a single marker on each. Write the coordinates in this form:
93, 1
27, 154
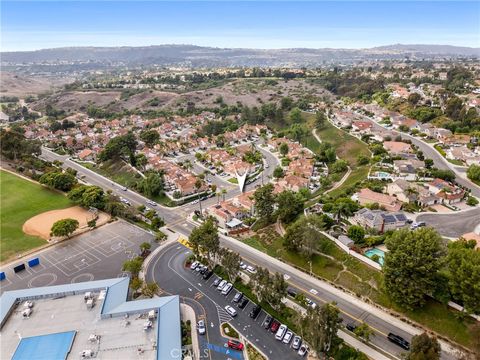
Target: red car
274, 327
235, 345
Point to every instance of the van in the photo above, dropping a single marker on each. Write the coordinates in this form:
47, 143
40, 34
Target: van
228, 287
281, 332
221, 285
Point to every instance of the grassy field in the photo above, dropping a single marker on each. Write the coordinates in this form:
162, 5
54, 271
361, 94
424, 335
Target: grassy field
21, 200
346, 146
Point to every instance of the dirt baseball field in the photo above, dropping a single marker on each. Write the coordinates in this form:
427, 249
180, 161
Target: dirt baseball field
41, 224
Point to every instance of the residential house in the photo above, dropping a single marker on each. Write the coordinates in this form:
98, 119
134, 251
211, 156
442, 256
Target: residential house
379, 220
450, 193
407, 169
408, 192
464, 154
362, 126
366, 196
397, 147
86, 155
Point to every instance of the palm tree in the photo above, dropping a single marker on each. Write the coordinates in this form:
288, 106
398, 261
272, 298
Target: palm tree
218, 196
224, 192
198, 185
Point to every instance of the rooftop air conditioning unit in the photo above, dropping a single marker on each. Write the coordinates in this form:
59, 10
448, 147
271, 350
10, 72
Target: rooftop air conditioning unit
147, 325
26, 313
86, 354
152, 315
89, 303
28, 304
88, 295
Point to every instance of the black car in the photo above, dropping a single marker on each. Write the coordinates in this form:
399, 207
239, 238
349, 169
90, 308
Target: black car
208, 274
255, 311
267, 322
291, 292
398, 340
351, 326
243, 303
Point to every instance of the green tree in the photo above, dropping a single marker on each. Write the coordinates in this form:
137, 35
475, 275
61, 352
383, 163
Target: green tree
295, 115
463, 264
145, 246
320, 119
150, 289
88, 196
204, 240
289, 206
356, 233
473, 173
454, 108
92, 223
133, 266
136, 284
414, 98
339, 166
304, 234
278, 172
152, 185
283, 149
269, 288
424, 347
119, 146
264, 202
230, 262
320, 326
411, 265
363, 331
63, 181
64, 227
362, 160
150, 137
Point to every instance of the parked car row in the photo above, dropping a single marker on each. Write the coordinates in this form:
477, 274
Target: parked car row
281, 331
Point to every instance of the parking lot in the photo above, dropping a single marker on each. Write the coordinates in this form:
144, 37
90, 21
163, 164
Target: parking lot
172, 276
98, 254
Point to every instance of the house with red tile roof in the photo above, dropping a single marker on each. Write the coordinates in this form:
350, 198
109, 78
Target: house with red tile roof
397, 147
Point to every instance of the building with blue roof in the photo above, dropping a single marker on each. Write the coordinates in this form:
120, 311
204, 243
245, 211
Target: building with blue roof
88, 319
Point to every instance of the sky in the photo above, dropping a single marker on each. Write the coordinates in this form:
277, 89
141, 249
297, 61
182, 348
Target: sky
32, 25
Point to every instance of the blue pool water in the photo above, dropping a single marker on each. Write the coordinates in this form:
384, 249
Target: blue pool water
45, 347
375, 251
382, 174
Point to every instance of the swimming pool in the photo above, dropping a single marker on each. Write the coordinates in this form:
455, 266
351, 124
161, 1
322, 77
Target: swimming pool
381, 254
383, 175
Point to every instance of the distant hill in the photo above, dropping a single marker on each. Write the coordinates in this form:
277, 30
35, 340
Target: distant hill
197, 56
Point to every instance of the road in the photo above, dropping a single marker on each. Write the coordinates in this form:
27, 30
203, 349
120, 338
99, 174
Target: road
169, 272
176, 219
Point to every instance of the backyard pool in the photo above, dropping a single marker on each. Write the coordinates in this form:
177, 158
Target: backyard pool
383, 175
381, 254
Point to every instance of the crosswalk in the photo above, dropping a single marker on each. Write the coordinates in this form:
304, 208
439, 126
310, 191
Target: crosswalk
198, 295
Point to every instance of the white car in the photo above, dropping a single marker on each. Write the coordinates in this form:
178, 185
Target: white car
201, 327
227, 289
221, 285
231, 311
281, 332
194, 265
297, 341
251, 269
303, 350
200, 267
311, 303
123, 188
288, 337
243, 266
152, 203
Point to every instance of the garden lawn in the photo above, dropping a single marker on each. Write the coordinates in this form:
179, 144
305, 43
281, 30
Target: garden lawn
20, 200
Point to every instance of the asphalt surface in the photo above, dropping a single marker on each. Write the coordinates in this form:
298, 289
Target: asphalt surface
176, 219
169, 272
95, 255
